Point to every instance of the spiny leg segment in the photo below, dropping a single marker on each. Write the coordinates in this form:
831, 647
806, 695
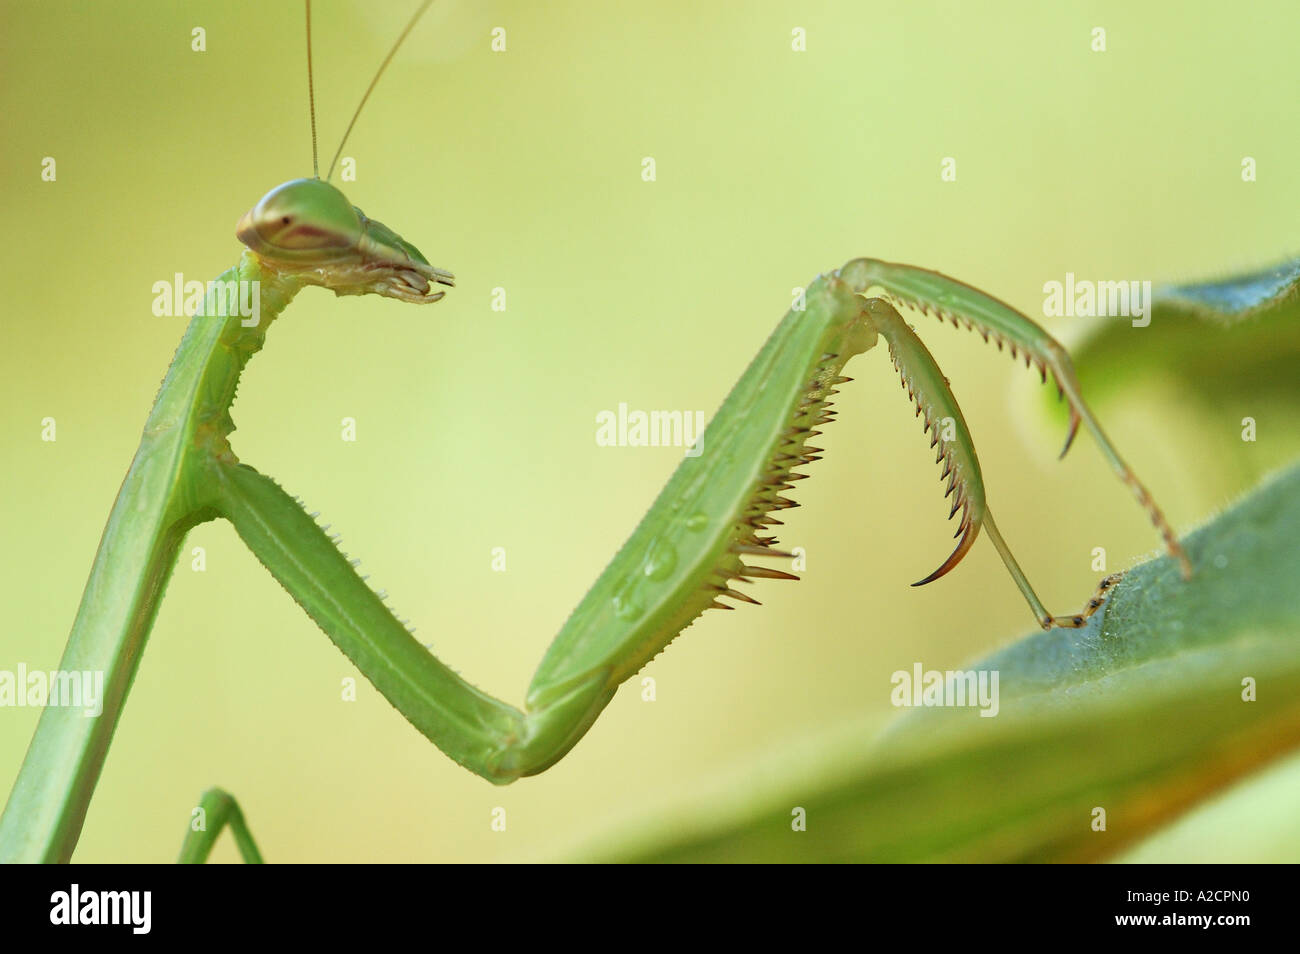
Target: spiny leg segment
701, 537
932, 292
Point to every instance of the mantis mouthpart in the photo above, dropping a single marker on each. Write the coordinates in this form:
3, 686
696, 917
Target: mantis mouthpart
697, 543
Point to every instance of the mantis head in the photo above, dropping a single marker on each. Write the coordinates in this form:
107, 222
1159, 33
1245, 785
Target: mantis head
308, 229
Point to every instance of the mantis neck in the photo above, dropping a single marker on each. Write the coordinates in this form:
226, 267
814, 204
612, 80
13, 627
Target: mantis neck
200, 386
160, 500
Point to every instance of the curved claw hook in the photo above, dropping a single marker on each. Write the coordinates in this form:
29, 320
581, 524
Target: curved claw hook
971, 529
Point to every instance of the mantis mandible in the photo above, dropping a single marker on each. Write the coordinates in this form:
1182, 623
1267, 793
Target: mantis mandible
700, 538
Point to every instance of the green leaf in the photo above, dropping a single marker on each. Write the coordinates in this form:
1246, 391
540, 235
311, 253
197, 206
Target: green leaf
1228, 340
1232, 299
1140, 714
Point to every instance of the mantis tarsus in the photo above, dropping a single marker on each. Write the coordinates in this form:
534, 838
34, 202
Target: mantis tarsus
695, 544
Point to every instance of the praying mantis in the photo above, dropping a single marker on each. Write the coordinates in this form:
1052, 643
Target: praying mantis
701, 538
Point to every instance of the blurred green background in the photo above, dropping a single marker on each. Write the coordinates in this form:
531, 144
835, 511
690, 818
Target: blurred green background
476, 428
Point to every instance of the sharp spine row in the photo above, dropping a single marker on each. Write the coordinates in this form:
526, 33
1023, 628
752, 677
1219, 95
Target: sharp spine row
792, 451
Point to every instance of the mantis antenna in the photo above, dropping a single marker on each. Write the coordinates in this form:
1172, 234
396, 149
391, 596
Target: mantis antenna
369, 89
311, 98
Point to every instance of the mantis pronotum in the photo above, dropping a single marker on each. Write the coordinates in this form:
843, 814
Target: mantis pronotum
701, 538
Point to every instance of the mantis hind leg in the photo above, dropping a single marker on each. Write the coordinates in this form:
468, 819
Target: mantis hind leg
219, 809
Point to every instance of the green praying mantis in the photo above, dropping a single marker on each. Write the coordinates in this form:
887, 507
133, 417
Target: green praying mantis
700, 539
